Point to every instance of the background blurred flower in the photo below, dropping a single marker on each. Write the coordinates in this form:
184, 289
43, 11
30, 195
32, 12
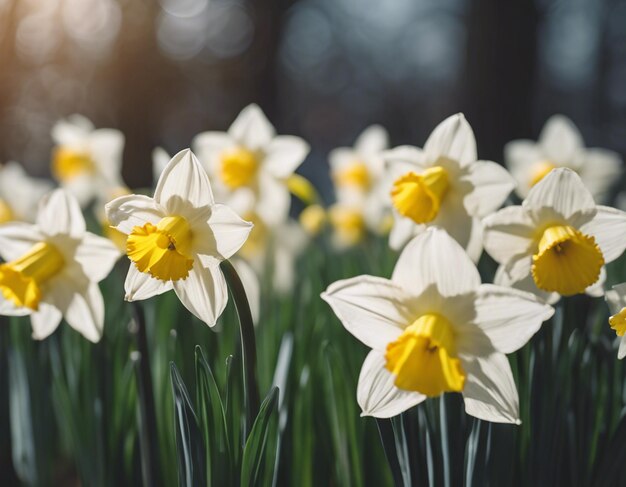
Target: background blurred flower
616, 299
19, 193
53, 268
560, 144
435, 328
444, 185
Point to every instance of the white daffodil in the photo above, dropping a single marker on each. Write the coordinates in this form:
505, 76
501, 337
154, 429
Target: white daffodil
561, 145
557, 242
177, 239
19, 193
251, 163
359, 176
86, 159
445, 186
434, 328
52, 269
616, 299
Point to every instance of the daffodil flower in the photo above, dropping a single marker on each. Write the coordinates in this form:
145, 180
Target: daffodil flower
85, 159
52, 269
251, 163
557, 242
177, 239
445, 186
434, 328
19, 193
616, 299
561, 145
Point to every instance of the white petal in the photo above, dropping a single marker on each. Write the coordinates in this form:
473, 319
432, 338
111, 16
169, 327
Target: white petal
521, 156
284, 154
373, 309
16, 238
251, 128
141, 285
373, 139
608, 226
45, 320
621, 353
204, 292
341, 157
60, 214
183, 183
405, 158
524, 282
453, 138
21, 191
490, 391
229, 230
462, 227
403, 230
8, 308
509, 317
84, 187
72, 130
489, 186
561, 193
596, 290
616, 298
508, 233
97, 256
560, 140
84, 311
128, 212
376, 393
600, 170
273, 202
251, 286
435, 258
106, 146
160, 158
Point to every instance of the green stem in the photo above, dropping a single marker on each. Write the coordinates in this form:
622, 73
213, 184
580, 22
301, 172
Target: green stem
248, 344
147, 414
385, 430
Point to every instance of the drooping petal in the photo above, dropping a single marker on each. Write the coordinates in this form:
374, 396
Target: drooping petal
284, 154
453, 139
183, 183
608, 227
373, 139
561, 192
509, 317
524, 282
97, 256
45, 320
16, 238
230, 231
203, 293
60, 213
373, 309
141, 285
403, 230
251, 128
489, 185
508, 233
128, 212
83, 310
376, 393
560, 140
490, 391
435, 258
596, 290
462, 227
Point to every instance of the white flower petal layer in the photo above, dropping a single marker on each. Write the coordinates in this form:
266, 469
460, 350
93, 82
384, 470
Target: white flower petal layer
508, 233
203, 292
373, 309
453, 138
490, 391
183, 182
490, 185
127, 212
96, 256
141, 285
509, 317
251, 128
45, 320
608, 226
376, 393
60, 213
284, 154
229, 230
16, 238
560, 140
435, 258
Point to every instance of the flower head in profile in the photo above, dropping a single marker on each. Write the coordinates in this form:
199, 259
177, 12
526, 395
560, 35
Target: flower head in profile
561, 145
85, 159
445, 186
616, 299
20, 193
250, 162
52, 269
557, 242
177, 239
434, 328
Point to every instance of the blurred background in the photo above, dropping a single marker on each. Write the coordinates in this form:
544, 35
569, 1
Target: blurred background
163, 70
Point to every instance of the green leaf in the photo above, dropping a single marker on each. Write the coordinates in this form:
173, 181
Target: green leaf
191, 455
212, 423
255, 445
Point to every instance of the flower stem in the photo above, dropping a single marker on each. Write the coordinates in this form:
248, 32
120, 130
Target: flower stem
385, 430
147, 415
248, 343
